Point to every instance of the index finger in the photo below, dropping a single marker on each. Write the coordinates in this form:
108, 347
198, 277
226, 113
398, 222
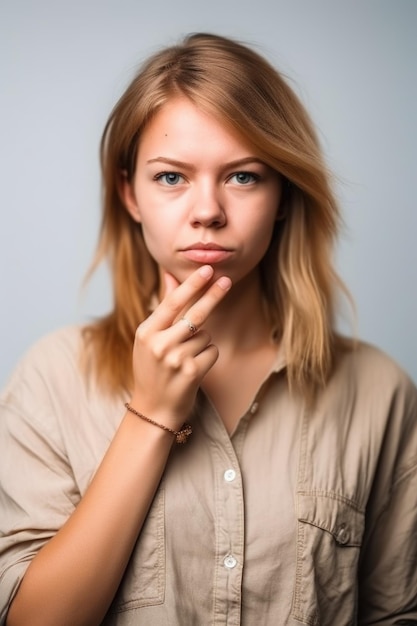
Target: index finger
201, 309
185, 294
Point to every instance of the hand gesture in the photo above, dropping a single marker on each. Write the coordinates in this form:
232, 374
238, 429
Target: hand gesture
172, 353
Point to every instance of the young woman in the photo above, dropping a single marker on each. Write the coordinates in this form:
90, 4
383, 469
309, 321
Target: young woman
264, 470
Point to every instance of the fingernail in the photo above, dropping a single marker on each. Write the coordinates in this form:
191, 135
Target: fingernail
224, 282
206, 271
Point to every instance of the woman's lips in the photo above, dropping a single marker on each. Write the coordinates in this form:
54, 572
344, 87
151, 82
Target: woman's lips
206, 253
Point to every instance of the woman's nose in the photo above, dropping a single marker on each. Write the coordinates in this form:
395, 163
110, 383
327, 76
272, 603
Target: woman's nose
207, 209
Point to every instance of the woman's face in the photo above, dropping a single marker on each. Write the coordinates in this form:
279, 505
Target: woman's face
201, 194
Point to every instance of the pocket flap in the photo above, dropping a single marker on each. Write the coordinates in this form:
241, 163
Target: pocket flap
334, 515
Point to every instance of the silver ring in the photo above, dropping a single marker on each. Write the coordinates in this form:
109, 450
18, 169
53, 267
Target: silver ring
191, 327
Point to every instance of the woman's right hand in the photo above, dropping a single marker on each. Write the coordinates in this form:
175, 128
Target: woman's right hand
169, 359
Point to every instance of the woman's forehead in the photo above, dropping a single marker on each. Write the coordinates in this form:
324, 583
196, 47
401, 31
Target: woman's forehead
182, 127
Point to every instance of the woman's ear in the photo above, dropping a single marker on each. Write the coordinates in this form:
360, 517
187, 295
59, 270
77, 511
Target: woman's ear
127, 194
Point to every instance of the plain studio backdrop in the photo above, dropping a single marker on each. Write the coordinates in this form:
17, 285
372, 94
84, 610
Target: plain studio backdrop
64, 65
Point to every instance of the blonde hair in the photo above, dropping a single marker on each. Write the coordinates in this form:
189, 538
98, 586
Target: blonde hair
239, 87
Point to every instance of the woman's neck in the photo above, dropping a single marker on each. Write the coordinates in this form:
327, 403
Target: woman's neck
239, 323
243, 336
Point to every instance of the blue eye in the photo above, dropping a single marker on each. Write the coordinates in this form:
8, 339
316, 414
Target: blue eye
244, 178
169, 178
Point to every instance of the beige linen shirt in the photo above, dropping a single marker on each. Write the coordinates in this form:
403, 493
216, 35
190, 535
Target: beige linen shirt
300, 517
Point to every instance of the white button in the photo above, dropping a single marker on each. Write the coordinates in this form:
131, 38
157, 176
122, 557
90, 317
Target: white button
229, 475
230, 562
254, 408
342, 535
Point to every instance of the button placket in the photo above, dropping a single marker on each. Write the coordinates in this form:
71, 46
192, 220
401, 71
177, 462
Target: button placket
229, 535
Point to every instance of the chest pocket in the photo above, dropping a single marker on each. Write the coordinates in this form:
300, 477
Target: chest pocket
143, 583
329, 537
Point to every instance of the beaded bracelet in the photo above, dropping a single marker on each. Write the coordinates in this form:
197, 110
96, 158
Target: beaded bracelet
181, 436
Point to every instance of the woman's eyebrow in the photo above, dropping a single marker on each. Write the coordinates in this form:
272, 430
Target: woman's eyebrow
169, 161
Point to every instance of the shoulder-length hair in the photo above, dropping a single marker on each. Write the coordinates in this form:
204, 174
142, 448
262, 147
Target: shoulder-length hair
241, 89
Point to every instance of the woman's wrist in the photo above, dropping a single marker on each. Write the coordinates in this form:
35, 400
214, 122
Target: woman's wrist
181, 435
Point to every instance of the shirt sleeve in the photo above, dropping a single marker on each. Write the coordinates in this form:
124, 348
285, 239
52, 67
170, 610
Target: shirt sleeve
37, 489
388, 573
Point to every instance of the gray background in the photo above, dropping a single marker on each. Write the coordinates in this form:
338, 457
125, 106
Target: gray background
63, 66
